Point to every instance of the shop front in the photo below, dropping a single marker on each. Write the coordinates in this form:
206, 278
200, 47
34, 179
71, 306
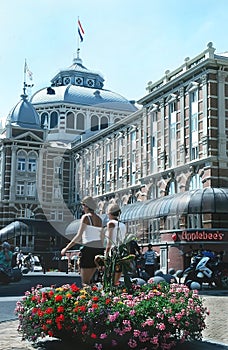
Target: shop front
180, 225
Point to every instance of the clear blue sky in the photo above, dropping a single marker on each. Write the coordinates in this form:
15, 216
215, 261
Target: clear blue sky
130, 42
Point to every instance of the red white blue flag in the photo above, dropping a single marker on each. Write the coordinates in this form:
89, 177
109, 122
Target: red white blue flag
80, 31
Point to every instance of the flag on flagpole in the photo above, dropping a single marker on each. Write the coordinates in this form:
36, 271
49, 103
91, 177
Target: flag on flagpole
27, 71
81, 32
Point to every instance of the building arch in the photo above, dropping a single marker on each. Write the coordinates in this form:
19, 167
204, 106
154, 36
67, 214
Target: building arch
70, 120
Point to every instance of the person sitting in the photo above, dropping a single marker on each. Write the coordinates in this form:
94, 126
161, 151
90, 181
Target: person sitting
5, 263
6, 255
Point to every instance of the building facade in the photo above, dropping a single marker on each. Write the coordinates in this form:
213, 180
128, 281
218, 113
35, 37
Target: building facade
165, 162
36, 159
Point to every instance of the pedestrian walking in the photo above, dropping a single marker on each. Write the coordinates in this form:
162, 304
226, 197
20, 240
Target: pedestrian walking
90, 235
150, 260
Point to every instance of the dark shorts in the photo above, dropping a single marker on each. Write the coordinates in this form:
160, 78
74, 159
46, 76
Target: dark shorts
87, 256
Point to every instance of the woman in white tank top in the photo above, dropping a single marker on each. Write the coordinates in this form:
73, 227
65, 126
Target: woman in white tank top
90, 235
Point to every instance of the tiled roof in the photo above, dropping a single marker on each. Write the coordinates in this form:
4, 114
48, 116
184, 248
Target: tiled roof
83, 96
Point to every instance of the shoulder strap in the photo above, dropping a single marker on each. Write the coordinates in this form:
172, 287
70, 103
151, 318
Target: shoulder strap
90, 220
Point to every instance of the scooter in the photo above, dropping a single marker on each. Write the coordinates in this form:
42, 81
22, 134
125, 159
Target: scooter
204, 269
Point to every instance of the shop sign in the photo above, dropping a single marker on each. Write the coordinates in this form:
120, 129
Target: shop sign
202, 235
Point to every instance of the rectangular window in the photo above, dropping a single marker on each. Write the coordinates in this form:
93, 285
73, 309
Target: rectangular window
120, 167
21, 164
194, 134
194, 153
133, 141
20, 188
53, 215
31, 189
32, 165
57, 191
58, 171
194, 221
172, 134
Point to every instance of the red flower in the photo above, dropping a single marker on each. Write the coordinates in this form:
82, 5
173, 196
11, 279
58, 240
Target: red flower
95, 306
95, 298
60, 318
58, 298
59, 326
108, 301
93, 336
74, 288
51, 293
60, 309
94, 288
49, 310
40, 313
82, 308
50, 333
84, 328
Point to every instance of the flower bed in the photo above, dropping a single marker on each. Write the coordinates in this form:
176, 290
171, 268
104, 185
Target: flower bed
153, 316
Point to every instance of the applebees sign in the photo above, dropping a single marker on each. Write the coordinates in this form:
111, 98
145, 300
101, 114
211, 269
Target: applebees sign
199, 235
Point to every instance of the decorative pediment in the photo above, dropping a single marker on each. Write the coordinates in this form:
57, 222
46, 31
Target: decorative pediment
192, 86
28, 136
171, 98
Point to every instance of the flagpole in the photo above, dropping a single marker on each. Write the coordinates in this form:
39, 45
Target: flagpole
25, 68
78, 48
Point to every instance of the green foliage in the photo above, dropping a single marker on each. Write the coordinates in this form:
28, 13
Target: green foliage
150, 317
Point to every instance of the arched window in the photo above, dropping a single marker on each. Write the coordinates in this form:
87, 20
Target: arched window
32, 162
104, 123
80, 122
21, 161
195, 182
44, 119
171, 187
94, 123
54, 120
70, 120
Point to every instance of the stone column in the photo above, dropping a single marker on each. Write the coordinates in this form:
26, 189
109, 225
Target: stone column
13, 174
182, 135
162, 154
205, 116
221, 116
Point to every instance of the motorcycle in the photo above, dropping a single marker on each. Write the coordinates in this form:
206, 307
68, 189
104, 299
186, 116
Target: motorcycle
204, 269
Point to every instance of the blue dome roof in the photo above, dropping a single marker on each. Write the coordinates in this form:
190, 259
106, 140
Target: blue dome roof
24, 115
81, 95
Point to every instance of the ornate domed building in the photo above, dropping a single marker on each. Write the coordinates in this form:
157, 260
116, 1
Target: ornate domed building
77, 104
35, 158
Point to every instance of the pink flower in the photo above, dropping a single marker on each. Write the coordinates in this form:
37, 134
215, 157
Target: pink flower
113, 317
161, 326
132, 343
103, 336
136, 333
